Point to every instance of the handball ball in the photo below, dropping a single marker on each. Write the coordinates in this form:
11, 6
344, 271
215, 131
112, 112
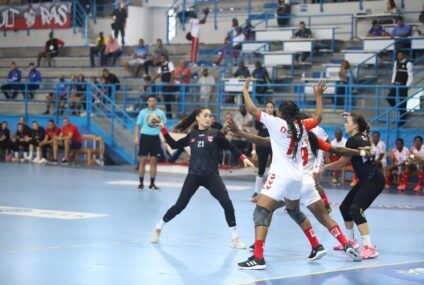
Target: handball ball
153, 120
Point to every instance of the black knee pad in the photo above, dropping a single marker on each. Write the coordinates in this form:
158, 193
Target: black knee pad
260, 216
344, 210
357, 214
297, 215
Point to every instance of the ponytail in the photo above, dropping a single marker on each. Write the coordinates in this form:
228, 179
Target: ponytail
189, 121
313, 142
290, 113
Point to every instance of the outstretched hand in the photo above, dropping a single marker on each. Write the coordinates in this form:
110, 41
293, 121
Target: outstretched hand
246, 84
247, 163
231, 125
320, 88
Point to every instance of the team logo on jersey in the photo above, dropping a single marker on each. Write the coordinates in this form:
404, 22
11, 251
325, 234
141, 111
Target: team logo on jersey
210, 138
269, 181
193, 140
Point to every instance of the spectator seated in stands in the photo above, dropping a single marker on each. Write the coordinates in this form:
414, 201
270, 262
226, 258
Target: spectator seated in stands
262, 80
420, 28
391, 7
344, 76
401, 30
110, 78
139, 56
242, 71
21, 143
13, 78
34, 80
377, 30
155, 61
69, 138
238, 40
228, 39
414, 166
206, 91
182, 73
5, 142
58, 98
113, 50
77, 98
52, 131
400, 155
302, 33
37, 136
99, 50
249, 31
51, 49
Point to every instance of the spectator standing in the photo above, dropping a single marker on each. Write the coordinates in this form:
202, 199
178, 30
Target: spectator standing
113, 50
34, 79
402, 77
58, 98
420, 28
13, 78
119, 17
262, 80
391, 7
338, 141
206, 82
244, 121
302, 33
283, 13
238, 40
51, 49
51, 133
249, 31
69, 138
194, 35
228, 39
242, 71
166, 72
377, 30
183, 77
99, 50
139, 57
342, 84
37, 136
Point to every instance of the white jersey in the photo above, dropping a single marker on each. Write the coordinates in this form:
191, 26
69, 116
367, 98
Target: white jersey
194, 27
341, 143
320, 133
319, 160
417, 152
308, 157
380, 148
400, 157
283, 163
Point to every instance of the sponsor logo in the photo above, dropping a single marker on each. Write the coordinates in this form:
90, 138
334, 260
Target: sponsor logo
193, 140
210, 138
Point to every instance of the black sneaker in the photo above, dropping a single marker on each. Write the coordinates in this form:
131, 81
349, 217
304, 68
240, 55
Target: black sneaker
252, 247
317, 253
140, 187
153, 187
252, 264
65, 161
352, 253
53, 161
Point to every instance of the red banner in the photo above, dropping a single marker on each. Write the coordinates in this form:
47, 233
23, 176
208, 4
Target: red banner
36, 16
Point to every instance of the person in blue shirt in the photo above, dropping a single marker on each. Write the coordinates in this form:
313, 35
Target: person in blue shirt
139, 56
146, 136
14, 78
34, 78
401, 30
377, 30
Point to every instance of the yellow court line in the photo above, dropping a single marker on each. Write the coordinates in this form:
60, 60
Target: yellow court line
327, 271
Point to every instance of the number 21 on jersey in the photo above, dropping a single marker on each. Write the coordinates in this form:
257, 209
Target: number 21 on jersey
200, 143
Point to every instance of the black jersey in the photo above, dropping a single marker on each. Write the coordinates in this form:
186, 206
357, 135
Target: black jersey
362, 166
262, 130
204, 146
38, 135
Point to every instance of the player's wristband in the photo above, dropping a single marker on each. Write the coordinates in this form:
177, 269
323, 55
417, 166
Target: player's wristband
243, 157
164, 131
362, 153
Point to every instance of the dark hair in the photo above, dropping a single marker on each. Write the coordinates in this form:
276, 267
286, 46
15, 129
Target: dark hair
301, 23
290, 113
400, 140
151, 96
376, 132
375, 22
147, 78
188, 121
400, 18
34, 122
363, 126
51, 121
313, 142
418, 137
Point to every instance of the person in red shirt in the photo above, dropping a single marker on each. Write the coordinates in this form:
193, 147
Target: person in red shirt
70, 138
52, 131
51, 49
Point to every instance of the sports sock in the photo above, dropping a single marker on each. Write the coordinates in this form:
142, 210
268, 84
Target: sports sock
366, 239
258, 184
141, 180
152, 180
311, 237
325, 199
234, 233
349, 234
337, 233
258, 251
160, 225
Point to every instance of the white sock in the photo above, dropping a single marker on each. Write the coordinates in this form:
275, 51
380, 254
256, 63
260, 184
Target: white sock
38, 156
16, 155
160, 225
349, 234
30, 155
258, 184
26, 155
366, 239
234, 233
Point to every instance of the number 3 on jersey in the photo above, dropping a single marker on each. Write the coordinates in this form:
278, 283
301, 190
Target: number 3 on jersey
200, 143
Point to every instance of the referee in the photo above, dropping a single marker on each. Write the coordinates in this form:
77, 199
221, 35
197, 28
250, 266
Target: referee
149, 142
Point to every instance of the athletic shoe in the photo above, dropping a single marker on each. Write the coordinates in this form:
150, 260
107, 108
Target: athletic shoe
43, 161
335, 181
22, 159
65, 161
317, 253
252, 264
9, 157
54, 162
140, 187
36, 160
153, 187
252, 247
418, 188
353, 253
369, 252
254, 198
237, 243
155, 236
353, 243
402, 187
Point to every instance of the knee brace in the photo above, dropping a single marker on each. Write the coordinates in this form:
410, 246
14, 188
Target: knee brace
260, 216
357, 214
297, 215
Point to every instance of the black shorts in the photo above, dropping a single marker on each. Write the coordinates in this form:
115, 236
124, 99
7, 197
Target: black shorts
149, 145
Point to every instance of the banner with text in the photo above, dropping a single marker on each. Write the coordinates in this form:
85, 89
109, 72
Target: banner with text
36, 16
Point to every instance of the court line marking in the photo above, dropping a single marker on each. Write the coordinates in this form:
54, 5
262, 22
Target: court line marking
172, 184
327, 271
44, 213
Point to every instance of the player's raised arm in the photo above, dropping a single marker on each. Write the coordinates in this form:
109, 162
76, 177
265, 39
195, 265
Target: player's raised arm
250, 106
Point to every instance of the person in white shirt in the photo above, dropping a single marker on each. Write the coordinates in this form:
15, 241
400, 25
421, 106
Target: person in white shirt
194, 32
338, 141
206, 89
412, 165
380, 152
400, 155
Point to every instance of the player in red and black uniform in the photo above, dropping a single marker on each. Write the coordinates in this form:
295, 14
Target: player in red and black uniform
52, 131
369, 186
204, 143
21, 143
37, 136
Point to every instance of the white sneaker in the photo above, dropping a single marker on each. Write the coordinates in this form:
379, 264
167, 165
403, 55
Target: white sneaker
237, 243
43, 161
22, 159
36, 160
155, 236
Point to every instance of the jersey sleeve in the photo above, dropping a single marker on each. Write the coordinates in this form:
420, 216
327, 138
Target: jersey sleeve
171, 142
140, 118
224, 143
323, 145
309, 123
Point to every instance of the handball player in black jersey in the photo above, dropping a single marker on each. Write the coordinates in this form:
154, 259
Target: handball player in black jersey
370, 185
204, 143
